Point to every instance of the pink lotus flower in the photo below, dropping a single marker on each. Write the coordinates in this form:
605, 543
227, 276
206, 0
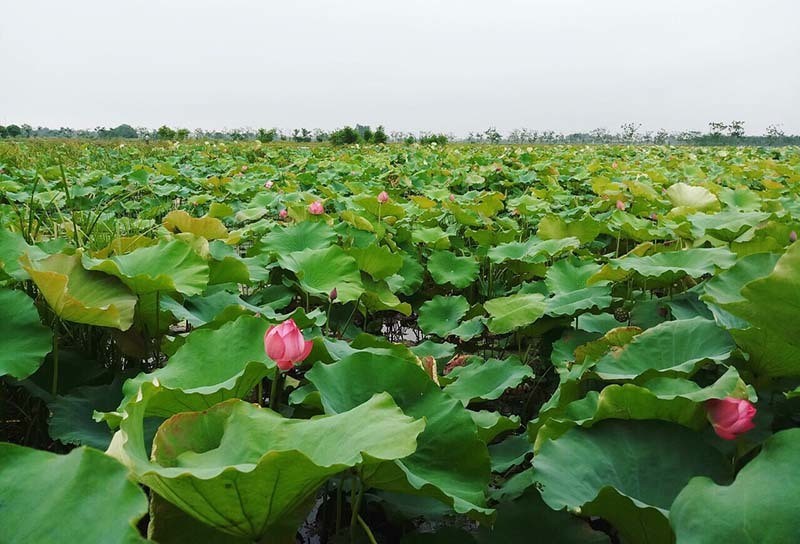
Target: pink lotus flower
316, 208
654, 216
285, 344
383, 197
452, 197
268, 184
730, 417
614, 164
283, 213
620, 205
793, 236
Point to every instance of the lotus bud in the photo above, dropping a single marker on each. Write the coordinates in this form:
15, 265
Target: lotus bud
244, 168
452, 197
268, 184
620, 205
334, 294
793, 236
383, 197
285, 344
316, 208
614, 164
730, 417
283, 213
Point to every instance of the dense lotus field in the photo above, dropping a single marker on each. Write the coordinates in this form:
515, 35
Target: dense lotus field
238, 343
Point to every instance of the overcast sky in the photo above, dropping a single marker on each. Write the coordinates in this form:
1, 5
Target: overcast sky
449, 65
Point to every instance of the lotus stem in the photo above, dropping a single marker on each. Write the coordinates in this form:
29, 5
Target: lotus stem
55, 359
364, 526
274, 391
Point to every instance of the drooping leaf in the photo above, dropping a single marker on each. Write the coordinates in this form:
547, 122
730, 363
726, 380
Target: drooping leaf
486, 381
759, 507
450, 463
24, 341
627, 472
84, 496
515, 311
81, 296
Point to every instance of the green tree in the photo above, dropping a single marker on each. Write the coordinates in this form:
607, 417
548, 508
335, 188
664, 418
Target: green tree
380, 136
344, 136
182, 133
13, 131
264, 135
165, 133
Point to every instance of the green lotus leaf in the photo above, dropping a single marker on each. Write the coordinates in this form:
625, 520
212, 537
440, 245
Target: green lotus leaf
446, 267
378, 296
727, 225
671, 348
510, 452
171, 525
569, 274
669, 399
320, 271
169, 267
486, 381
250, 472
12, 247
470, 328
433, 236
71, 419
451, 463
770, 305
553, 227
209, 228
441, 315
493, 424
759, 507
225, 265
79, 295
298, 237
385, 209
377, 261
24, 341
533, 250
628, 472
570, 303
528, 519
515, 311
409, 278
672, 265
726, 287
211, 366
84, 496
692, 198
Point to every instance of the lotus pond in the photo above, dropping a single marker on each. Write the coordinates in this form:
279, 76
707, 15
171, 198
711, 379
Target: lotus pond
236, 342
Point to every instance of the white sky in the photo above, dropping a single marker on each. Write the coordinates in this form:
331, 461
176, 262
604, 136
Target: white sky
451, 66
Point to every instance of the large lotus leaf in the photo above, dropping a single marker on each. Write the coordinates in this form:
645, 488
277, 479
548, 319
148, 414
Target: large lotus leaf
532, 251
572, 302
79, 295
446, 267
691, 198
493, 424
250, 472
320, 271
759, 507
551, 227
528, 520
12, 247
378, 296
377, 261
209, 228
169, 266
771, 305
515, 311
71, 419
570, 274
627, 472
672, 348
727, 225
451, 463
669, 399
511, 452
171, 525
211, 366
486, 381
409, 278
298, 237
672, 265
726, 286
24, 341
84, 496
441, 315
225, 265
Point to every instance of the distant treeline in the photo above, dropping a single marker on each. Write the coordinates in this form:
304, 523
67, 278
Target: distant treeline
719, 133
